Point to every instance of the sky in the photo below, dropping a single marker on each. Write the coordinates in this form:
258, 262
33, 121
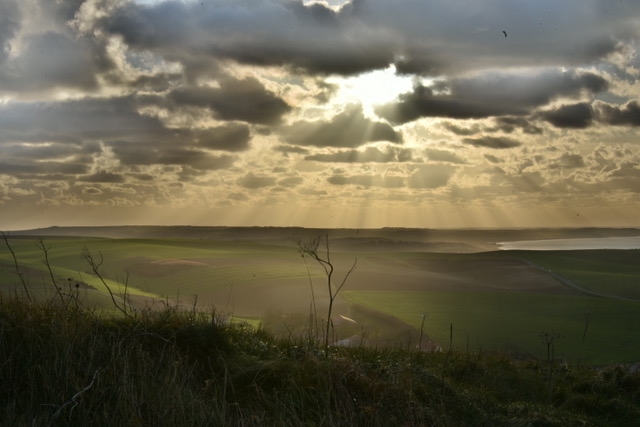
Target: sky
341, 113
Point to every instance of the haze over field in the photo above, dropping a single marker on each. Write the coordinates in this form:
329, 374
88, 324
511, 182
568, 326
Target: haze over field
338, 113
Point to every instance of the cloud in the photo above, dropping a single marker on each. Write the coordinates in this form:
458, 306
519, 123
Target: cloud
626, 115
104, 176
236, 99
51, 60
497, 143
229, 137
367, 180
568, 161
287, 149
42, 170
577, 116
493, 159
429, 37
40, 52
463, 130
136, 139
509, 124
582, 115
490, 94
292, 181
253, 181
368, 155
201, 160
430, 176
264, 33
74, 121
10, 19
349, 128
443, 156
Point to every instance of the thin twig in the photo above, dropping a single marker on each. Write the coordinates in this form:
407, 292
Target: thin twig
74, 399
46, 262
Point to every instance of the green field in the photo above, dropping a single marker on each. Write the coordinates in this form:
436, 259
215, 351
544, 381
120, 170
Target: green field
493, 300
512, 322
161, 268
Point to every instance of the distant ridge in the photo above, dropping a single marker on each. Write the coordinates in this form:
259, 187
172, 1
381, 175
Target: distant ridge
459, 240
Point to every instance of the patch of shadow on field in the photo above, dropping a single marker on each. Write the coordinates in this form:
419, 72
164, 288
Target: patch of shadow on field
146, 267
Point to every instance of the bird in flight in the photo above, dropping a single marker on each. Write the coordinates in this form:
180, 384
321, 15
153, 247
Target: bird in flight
504, 32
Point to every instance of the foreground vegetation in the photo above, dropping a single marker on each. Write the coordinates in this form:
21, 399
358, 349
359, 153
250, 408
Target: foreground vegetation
69, 365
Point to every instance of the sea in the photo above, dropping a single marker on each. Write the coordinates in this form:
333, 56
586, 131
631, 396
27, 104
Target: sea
632, 242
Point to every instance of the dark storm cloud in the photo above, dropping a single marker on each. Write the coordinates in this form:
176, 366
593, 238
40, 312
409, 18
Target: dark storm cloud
492, 142
577, 116
440, 36
626, 115
263, 33
349, 128
432, 37
490, 94
245, 100
368, 155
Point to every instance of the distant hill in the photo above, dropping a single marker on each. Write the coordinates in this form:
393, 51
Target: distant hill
444, 240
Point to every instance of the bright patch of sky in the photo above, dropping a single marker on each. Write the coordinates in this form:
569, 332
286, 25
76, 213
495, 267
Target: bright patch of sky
373, 88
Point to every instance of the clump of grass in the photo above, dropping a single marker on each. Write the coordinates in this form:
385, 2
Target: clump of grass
183, 368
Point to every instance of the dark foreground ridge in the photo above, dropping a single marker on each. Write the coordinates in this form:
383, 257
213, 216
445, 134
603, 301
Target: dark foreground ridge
67, 365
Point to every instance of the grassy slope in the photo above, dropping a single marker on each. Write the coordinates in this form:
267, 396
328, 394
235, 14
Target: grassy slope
172, 368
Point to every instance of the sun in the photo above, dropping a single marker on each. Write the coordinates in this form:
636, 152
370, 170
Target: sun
370, 89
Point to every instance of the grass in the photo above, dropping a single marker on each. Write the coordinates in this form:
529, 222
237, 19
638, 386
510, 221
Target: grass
180, 368
512, 321
153, 266
610, 272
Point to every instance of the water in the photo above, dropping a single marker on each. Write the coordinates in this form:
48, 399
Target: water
632, 242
